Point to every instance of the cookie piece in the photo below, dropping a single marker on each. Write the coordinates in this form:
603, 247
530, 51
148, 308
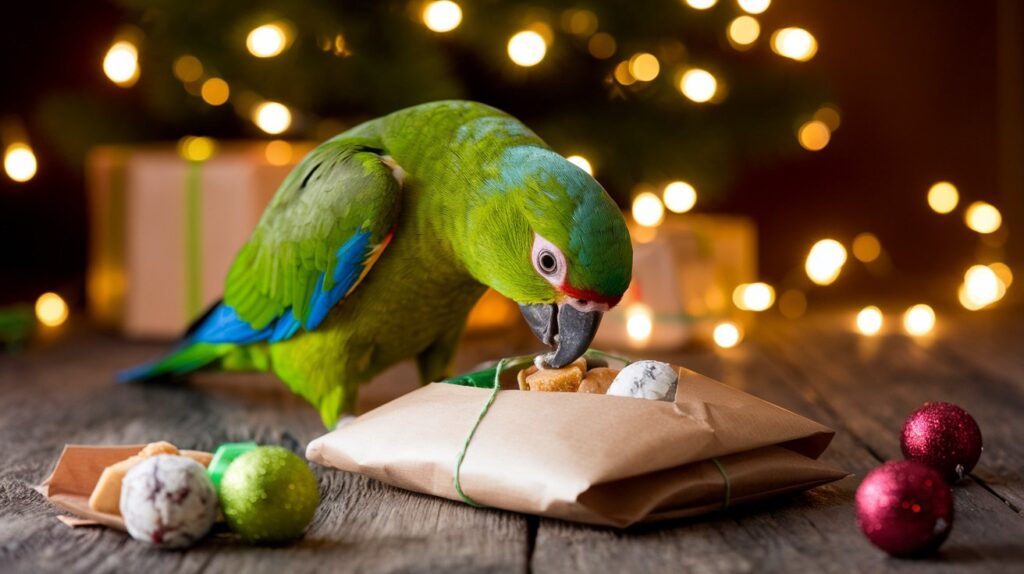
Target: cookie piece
597, 381
566, 379
106, 495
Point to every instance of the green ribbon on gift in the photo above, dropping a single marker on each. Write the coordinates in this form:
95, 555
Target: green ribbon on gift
728, 483
193, 239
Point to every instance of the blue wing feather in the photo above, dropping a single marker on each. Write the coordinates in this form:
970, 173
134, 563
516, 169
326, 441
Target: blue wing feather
225, 326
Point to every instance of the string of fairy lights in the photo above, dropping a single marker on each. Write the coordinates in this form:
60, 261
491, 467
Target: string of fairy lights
982, 286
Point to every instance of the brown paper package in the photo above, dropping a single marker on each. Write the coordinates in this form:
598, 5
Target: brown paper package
588, 458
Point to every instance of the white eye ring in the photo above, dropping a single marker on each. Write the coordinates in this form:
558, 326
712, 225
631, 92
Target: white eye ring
548, 260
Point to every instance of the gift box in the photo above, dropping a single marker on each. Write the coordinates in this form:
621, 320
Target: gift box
165, 228
684, 272
582, 457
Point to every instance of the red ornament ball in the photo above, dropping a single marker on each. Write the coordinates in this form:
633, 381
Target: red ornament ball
905, 508
943, 436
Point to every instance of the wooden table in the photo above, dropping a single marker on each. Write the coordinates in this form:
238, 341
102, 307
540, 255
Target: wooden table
862, 387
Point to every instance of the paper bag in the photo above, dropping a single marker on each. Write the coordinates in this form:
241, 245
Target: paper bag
589, 458
76, 474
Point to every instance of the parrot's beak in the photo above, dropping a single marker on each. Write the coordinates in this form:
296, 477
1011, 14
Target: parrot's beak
567, 329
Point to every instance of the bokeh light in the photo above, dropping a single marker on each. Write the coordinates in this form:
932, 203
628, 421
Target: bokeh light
743, 31
825, 261
622, 74
188, 68
698, 85
727, 334
272, 117
20, 162
442, 16
194, 148
215, 91
983, 217
943, 197
121, 64
701, 4
1003, 272
639, 322
268, 40
869, 320
278, 152
919, 320
648, 210
866, 247
679, 196
814, 135
601, 46
829, 115
981, 287
527, 48
794, 43
582, 163
753, 296
51, 310
793, 304
579, 22
754, 6
644, 67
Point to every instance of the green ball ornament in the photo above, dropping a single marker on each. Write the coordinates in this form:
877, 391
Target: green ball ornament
269, 495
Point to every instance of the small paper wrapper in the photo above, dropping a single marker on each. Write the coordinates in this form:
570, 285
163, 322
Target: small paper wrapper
589, 458
78, 470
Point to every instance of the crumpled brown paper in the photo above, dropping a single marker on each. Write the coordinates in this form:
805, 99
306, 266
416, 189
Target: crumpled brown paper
588, 458
73, 478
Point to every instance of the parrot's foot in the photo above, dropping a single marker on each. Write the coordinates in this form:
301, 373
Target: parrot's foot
344, 420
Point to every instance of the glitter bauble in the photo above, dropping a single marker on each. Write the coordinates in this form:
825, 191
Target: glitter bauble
905, 508
269, 495
943, 436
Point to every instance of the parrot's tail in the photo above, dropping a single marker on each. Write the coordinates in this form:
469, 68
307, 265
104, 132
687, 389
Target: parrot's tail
186, 358
192, 354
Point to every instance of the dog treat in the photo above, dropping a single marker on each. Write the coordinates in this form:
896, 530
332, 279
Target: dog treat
597, 380
646, 380
106, 495
168, 501
566, 379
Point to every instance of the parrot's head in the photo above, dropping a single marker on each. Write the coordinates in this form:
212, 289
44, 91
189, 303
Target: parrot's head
548, 236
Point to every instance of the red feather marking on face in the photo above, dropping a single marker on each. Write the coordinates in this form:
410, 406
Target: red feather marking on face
588, 295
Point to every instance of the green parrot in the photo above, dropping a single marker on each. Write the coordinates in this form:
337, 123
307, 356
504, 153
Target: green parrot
379, 242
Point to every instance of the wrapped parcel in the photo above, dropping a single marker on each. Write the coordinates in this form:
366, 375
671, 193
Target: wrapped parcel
584, 457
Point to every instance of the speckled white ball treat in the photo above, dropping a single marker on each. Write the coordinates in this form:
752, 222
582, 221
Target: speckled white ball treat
646, 380
168, 501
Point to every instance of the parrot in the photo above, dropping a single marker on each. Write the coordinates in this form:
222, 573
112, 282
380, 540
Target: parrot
378, 243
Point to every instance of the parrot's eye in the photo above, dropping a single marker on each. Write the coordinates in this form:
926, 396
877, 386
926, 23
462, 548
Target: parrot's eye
548, 260
547, 263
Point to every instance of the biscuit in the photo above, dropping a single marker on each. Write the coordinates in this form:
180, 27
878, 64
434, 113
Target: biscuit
597, 380
566, 379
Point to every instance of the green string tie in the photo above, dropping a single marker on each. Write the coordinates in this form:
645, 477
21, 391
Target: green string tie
487, 406
728, 484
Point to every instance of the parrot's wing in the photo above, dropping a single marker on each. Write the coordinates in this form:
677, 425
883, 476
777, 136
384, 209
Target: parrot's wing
329, 222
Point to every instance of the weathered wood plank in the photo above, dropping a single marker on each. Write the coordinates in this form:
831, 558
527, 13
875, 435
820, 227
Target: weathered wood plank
65, 395
879, 381
815, 531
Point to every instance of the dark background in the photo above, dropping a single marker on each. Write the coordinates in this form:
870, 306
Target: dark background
928, 90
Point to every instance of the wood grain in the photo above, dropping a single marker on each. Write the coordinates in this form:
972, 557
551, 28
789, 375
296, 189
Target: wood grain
863, 388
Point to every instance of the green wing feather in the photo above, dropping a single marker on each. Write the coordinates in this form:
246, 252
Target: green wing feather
343, 187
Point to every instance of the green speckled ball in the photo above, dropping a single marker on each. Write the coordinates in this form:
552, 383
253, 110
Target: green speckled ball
269, 495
